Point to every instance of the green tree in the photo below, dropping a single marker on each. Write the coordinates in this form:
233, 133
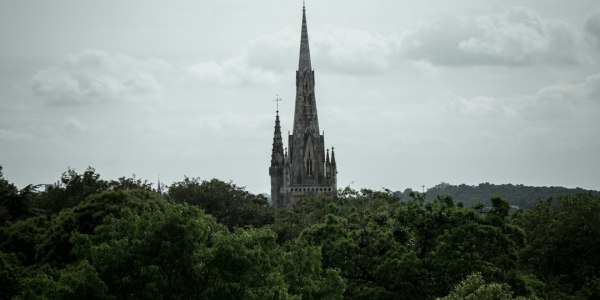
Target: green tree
54, 246
474, 287
563, 243
73, 188
364, 248
231, 205
408, 250
23, 237
179, 252
15, 204
488, 244
10, 273
78, 281
149, 254
305, 275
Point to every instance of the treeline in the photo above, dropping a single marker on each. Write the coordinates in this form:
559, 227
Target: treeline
90, 238
518, 195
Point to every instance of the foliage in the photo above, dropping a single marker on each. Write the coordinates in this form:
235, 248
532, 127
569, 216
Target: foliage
230, 204
73, 188
413, 250
147, 253
90, 238
133, 244
78, 281
23, 237
14, 204
54, 246
10, 271
563, 243
474, 287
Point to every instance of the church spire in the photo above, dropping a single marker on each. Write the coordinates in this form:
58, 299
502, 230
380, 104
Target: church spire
304, 63
305, 168
305, 115
159, 188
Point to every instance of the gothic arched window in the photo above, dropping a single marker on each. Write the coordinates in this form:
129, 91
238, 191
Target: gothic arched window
309, 166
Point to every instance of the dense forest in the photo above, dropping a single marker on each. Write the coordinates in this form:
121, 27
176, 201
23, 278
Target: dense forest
91, 238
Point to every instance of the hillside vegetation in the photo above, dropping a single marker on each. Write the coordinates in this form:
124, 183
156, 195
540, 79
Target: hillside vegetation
518, 195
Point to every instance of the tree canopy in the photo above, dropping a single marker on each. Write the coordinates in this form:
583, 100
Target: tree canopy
90, 238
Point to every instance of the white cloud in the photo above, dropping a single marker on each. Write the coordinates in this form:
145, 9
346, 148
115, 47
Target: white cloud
94, 75
479, 106
73, 125
266, 58
355, 51
274, 52
560, 101
261, 62
567, 99
518, 37
231, 73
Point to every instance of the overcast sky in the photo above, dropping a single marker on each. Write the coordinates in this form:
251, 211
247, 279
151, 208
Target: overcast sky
410, 93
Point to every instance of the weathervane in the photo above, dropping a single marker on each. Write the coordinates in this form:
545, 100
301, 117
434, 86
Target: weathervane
277, 100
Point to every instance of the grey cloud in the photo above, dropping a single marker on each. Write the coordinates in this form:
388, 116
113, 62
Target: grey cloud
9, 135
592, 24
30, 132
572, 93
74, 126
518, 37
49, 129
94, 75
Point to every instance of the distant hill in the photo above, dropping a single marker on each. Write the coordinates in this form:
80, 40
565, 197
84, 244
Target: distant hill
518, 195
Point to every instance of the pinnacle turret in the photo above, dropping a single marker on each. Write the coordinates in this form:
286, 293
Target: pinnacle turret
277, 152
333, 157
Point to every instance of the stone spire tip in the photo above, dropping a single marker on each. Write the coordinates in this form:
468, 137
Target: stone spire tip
304, 63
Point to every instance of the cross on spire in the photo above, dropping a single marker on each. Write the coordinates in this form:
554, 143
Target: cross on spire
277, 100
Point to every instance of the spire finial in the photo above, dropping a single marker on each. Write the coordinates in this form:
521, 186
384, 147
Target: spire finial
277, 100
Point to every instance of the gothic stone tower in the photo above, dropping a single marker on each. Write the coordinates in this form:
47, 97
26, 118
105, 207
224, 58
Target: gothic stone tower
306, 168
